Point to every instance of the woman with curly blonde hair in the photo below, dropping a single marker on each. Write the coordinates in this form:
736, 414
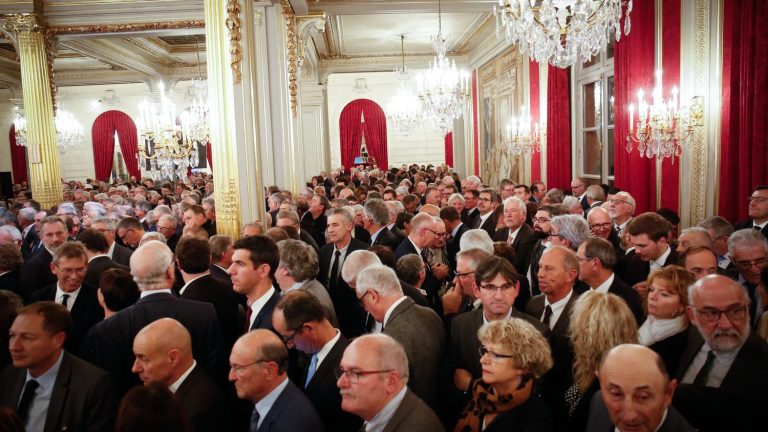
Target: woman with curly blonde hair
599, 322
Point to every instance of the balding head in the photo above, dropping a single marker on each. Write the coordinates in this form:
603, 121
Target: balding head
719, 308
152, 266
163, 351
356, 262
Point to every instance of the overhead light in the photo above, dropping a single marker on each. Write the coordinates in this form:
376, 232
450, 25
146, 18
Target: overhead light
404, 109
69, 131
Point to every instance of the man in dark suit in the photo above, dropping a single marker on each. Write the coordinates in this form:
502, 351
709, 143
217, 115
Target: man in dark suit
558, 271
29, 236
51, 389
425, 230
649, 233
417, 328
758, 211
221, 258
375, 218
579, 190
194, 216
69, 265
314, 220
10, 263
626, 371
167, 225
96, 248
600, 225
302, 322
118, 253
258, 368
36, 273
394, 210
366, 396
455, 229
291, 219
332, 258
486, 205
596, 262
748, 251
254, 263
109, 343
470, 211
541, 229
163, 352
516, 233
720, 386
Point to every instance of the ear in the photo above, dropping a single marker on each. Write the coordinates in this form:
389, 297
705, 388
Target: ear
174, 356
53, 268
691, 315
59, 339
100, 297
669, 392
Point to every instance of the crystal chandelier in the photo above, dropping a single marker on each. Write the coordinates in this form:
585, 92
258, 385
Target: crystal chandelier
561, 32
661, 130
404, 109
520, 137
443, 89
194, 122
169, 151
69, 131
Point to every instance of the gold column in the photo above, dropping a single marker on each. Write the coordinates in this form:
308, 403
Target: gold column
42, 154
223, 51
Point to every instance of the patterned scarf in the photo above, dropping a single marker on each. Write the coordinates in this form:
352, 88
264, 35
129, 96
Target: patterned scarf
486, 401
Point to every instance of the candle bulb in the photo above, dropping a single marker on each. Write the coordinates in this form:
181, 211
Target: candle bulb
631, 116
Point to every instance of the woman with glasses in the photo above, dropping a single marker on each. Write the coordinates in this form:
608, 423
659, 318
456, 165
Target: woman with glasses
665, 330
513, 355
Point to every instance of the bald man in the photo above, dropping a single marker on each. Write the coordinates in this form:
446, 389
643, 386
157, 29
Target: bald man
635, 394
163, 352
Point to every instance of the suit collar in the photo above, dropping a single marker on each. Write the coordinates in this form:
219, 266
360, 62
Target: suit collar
397, 308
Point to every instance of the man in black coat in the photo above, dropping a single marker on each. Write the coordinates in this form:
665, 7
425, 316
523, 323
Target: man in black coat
96, 248
455, 229
36, 273
117, 252
254, 263
375, 218
487, 218
314, 220
649, 233
517, 233
758, 211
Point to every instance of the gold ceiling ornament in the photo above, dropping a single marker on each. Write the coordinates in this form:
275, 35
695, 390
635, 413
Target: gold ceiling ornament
125, 28
291, 46
235, 50
15, 24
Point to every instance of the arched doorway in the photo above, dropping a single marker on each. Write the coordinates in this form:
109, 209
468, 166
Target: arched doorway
103, 131
363, 117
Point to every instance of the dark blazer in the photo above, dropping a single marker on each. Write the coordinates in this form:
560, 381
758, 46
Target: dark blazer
208, 289
600, 421
413, 415
315, 227
86, 312
397, 232
748, 224
414, 293
292, 411
630, 296
203, 402
386, 238
453, 245
324, 394
538, 250
523, 245
29, 242
11, 281
631, 269
405, 247
671, 349
83, 396
489, 225
99, 265
263, 319
36, 273
535, 309
122, 255
362, 235
308, 239
109, 344
421, 333
220, 274
532, 415
349, 311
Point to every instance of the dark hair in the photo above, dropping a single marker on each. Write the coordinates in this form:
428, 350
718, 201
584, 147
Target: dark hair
93, 240
402, 219
56, 318
262, 249
669, 214
495, 265
118, 289
197, 209
652, 224
300, 307
385, 254
10, 257
449, 213
409, 268
193, 255
602, 249
151, 408
128, 223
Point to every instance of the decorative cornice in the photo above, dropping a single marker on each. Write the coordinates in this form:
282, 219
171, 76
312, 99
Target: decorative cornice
235, 50
125, 28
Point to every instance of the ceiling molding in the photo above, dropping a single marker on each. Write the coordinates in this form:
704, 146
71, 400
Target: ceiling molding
106, 51
136, 28
365, 7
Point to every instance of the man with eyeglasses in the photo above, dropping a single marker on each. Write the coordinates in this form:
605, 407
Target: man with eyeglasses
722, 371
542, 227
130, 231
720, 230
749, 254
424, 233
470, 211
517, 233
302, 321
621, 207
463, 297
258, 368
601, 225
373, 378
758, 211
36, 272
579, 190
116, 252
486, 217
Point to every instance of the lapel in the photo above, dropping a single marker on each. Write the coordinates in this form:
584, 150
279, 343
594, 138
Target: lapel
329, 363
536, 307
284, 399
561, 327
405, 408
59, 396
695, 341
268, 307
400, 309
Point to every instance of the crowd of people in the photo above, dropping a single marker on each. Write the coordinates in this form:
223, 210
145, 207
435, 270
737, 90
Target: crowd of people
401, 300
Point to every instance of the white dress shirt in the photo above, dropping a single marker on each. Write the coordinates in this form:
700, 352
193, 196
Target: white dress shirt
557, 309
174, 387
258, 304
72, 296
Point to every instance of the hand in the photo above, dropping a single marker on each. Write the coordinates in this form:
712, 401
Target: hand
462, 379
641, 288
441, 271
452, 301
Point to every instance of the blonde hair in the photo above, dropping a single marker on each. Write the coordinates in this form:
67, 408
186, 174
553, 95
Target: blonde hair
526, 345
679, 280
599, 322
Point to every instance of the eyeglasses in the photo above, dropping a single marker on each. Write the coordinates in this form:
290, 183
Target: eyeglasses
68, 272
577, 186
541, 220
354, 375
760, 262
553, 235
437, 234
484, 199
602, 226
584, 259
495, 357
737, 313
496, 288
617, 201
125, 233
239, 368
461, 275
362, 298
289, 339
758, 200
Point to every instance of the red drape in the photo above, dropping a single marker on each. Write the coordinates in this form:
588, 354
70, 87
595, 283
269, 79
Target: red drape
449, 149
209, 155
475, 136
103, 136
18, 159
558, 129
352, 132
533, 72
670, 186
634, 69
744, 143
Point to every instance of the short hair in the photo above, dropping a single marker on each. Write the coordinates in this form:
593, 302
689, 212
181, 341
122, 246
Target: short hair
602, 249
118, 289
219, 245
408, 268
357, 261
68, 207
698, 230
277, 234
150, 277
128, 223
571, 202
474, 180
379, 278
51, 220
527, 347
474, 256
69, 250
520, 204
556, 195
693, 251
569, 260
552, 209
456, 197
273, 351
450, 214
153, 236
13, 232
168, 218
258, 225
679, 279
669, 214
299, 259
596, 192
290, 215
193, 255
323, 201
476, 239
27, 214
152, 408
494, 265
746, 237
262, 249
93, 240
10, 257
652, 224
56, 317
349, 219
719, 225
389, 351
210, 201
695, 286
10, 305
198, 210
573, 228
377, 211
492, 192
300, 307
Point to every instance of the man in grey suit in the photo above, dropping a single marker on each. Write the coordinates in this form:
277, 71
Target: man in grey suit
373, 377
636, 394
417, 328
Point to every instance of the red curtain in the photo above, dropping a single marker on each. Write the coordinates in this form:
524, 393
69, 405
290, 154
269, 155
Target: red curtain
533, 72
476, 136
449, 149
18, 159
352, 132
634, 69
670, 186
743, 149
209, 155
558, 129
103, 135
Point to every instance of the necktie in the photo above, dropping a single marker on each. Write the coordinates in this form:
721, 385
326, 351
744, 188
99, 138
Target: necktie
26, 399
758, 228
64, 300
311, 370
510, 240
248, 314
255, 420
703, 375
334, 276
547, 315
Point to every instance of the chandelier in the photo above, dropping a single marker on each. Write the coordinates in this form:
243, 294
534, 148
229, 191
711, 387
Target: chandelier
69, 131
404, 109
661, 130
561, 32
521, 138
443, 89
194, 122
166, 147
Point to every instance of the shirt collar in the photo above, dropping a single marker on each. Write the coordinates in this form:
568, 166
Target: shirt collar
375, 235
663, 258
455, 230
605, 286
176, 384
97, 256
47, 378
509, 315
560, 304
761, 226
327, 348
392, 308
181, 291
294, 287
265, 404
380, 420
111, 251
159, 291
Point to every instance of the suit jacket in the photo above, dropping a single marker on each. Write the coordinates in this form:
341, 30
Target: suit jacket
263, 319
489, 225
109, 344
532, 415
348, 309
535, 309
83, 396
413, 415
362, 235
631, 269
397, 232
523, 244
386, 238
11, 281
292, 411
748, 224
405, 247
315, 227
453, 245
538, 250
431, 284
208, 289
420, 331
600, 421
36, 273
671, 349
324, 394
308, 239
99, 265
318, 290
86, 312
630, 296
203, 402
122, 255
